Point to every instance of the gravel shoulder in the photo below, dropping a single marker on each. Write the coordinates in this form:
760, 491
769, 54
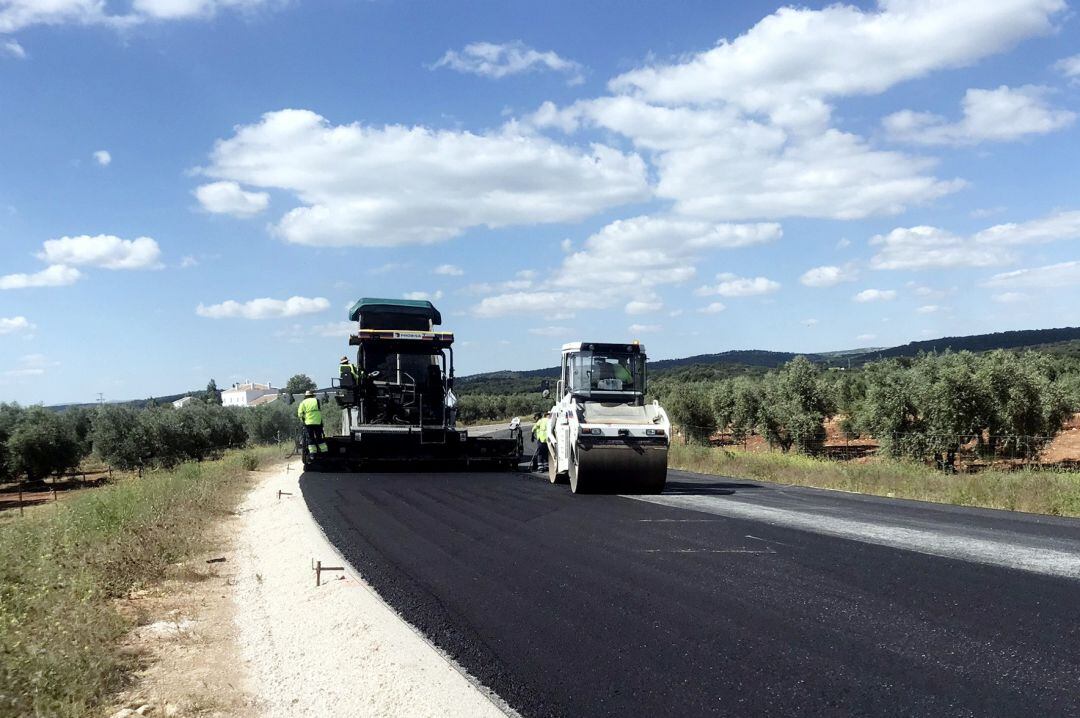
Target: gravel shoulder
332, 650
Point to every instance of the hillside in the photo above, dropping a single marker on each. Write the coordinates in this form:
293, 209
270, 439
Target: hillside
1064, 342
703, 367
1027, 338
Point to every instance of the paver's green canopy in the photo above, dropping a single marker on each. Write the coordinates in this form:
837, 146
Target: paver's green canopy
412, 307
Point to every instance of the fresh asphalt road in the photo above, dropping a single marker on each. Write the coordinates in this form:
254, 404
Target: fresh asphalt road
720, 597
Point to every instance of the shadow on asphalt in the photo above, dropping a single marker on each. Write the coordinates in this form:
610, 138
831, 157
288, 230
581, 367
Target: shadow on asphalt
716, 488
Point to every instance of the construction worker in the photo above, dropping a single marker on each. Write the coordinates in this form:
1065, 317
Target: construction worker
347, 368
540, 433
310, 413
623, 374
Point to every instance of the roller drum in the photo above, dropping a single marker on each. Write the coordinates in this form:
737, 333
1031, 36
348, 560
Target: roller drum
618, 469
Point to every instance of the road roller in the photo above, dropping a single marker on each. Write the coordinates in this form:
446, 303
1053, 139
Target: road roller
603, 437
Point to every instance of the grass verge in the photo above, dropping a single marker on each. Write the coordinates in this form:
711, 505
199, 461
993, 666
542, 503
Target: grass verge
1043, 492
62, 566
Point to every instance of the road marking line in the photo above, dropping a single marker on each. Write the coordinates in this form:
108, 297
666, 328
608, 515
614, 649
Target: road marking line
679, 521
778, 543
1047, 561
705, 550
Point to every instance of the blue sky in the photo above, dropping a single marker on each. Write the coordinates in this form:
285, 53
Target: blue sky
199, 188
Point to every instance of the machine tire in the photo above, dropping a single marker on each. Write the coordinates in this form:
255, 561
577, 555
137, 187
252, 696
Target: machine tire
578, 483
554, 475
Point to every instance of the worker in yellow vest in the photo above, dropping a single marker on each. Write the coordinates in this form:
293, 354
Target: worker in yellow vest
347, 368
540, 433
310, 413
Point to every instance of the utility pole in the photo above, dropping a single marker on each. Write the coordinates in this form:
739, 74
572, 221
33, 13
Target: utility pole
100, 398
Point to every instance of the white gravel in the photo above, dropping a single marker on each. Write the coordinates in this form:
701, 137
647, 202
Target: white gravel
335, 650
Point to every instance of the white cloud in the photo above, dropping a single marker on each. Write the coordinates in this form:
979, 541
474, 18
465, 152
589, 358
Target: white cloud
793, 59
264, 308
810, 322
11, 325
103, 157
17, 15
190, 9
628, 255
495, 60
1010, 297
997, 115
833, 175
32, 365
714, 308
926, 292
422, 296
1053, 228
103, 250
984, 212
551, 331
643, 306
651, 250
928, 309
644, 328
448, 270
230, 198
56, 275
716, 164
1069, 67
733, 286
829, 276
741, 131
334, 329
1063, 274
393, 185
188, 261
552, 305
12, 48
875, 295
931, 247
866, 337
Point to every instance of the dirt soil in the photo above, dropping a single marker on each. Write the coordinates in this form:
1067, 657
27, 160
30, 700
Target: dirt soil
1066, 445
186, 641
253, 636
1064, 449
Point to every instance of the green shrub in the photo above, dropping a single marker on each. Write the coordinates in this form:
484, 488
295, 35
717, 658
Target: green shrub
249, 461
42, 444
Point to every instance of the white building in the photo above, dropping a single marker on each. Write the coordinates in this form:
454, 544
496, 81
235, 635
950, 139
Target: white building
183, 401
244, 394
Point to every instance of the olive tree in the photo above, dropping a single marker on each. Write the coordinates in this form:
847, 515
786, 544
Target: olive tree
796, 404
690, 407
42, 444
299, 383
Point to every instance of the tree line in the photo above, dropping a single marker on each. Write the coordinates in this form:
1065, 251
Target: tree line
472, 408
914, 407
36, 442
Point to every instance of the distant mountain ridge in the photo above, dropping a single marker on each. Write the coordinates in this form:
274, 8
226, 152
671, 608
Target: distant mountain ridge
1018, 339
1057, 341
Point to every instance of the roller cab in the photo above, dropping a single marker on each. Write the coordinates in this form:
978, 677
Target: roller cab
603, 436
